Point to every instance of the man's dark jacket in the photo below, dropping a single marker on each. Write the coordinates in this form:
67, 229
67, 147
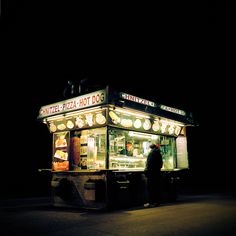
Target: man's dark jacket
154, 162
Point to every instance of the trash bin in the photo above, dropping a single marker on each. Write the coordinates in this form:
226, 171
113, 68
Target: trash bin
122, 193
169, 191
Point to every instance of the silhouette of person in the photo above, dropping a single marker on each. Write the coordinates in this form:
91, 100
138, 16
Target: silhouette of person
153, 173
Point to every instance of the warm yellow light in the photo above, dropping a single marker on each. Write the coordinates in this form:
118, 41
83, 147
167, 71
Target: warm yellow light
171, 122
74, 113
141, 135
58, 117
132, 113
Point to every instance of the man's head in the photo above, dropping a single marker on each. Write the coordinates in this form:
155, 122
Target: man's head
129, 146
154, 145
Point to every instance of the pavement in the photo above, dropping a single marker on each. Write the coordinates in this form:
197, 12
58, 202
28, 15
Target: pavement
191, 215
46, 201
24, 202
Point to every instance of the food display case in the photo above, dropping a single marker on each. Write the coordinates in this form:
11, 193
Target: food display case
100, 143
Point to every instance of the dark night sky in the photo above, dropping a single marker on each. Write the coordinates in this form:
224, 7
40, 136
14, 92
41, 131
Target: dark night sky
180, 56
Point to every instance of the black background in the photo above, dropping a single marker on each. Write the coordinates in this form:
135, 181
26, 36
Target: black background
181, 56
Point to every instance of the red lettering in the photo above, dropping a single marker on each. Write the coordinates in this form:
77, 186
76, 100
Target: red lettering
93, 99
56, 108
97, 98
84, 102
63, 106
68, 105
88, 100
81, 102
74, 104
46, 111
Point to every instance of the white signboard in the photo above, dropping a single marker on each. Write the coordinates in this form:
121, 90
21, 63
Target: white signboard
174, 110
87, 100
182, 153
137, 99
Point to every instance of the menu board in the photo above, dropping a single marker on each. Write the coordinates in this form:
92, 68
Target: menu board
60, 151
182, 154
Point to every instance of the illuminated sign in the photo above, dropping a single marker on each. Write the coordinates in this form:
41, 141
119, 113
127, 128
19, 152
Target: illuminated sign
174, 110
137, 99
125, 119
87, 100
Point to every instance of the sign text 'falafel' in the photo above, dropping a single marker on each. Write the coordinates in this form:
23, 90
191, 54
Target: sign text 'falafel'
137, 99
87, 100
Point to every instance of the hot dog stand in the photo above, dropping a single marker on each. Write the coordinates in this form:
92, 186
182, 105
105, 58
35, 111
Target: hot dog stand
89, 135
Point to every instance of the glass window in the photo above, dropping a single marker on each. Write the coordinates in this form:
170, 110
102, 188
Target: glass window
168, 151
89, 149
129, 149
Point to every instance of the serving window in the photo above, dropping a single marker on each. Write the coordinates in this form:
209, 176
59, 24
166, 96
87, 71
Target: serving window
129, 149
88, 149
168, 151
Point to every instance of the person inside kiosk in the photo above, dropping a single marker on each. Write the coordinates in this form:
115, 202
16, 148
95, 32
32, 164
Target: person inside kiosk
128, 150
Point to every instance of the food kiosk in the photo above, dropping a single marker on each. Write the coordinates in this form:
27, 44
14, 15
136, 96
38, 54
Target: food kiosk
91, 166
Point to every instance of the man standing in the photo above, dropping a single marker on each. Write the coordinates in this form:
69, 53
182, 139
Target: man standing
153, 173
